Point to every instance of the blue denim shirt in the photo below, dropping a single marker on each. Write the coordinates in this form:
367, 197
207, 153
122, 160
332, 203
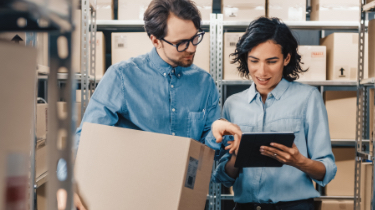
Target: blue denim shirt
146, 93
291, 106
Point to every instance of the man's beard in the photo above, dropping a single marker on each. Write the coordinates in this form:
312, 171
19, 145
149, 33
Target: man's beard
182, 62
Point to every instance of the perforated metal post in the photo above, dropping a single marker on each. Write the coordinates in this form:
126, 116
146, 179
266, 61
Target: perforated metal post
360, 118
93, 49
85, 55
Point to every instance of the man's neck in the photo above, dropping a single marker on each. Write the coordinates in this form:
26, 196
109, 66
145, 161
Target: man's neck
164, 57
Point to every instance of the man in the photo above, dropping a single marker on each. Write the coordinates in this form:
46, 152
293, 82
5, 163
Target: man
163, 91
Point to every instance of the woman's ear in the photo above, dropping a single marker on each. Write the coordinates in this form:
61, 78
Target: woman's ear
287, 60
156, 42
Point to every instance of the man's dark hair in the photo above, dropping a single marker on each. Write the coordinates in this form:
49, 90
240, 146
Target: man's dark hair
158, 11
260, 31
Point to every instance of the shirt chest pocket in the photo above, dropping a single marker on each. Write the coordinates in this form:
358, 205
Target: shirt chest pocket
196, 123
285, 125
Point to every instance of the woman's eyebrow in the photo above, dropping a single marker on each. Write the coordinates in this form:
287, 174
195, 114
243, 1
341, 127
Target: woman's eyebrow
253, 57
272, 58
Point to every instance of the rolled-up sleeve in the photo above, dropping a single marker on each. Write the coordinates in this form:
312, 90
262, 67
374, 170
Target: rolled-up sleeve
219, 175
317, 135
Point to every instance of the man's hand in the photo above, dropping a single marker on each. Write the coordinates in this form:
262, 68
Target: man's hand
62, 198
78, 203
221, 128
284, 154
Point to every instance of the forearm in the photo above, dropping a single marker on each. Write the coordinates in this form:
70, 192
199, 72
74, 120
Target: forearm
314, 169
230, 169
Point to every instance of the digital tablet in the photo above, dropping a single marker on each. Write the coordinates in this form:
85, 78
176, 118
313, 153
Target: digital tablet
249, 155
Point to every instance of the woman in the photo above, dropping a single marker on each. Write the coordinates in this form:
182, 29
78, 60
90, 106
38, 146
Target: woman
267, 53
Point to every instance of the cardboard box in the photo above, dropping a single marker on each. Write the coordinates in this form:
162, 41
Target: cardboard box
40, 158
202, 53
313, 59
76, 42
62, 110
79, 96
230, 71
17, 118
167, 178
292, 10
99, 55
243, 10
41, 121
41, 197
341, 109
134, 10
342, 56
335, 10
371, 48
104, 10
335, 205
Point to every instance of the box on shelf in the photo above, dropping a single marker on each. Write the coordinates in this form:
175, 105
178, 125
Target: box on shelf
41, 121
62, 110
41, 196
243, 10
334, 205
104, 10
292, 10
18, 64
230, 71
185, 169
79, 96
99, 55
205, 8
342, 56
371, 48
76, 42
202, 53
341, 109
40, 158
335, 10
313, 59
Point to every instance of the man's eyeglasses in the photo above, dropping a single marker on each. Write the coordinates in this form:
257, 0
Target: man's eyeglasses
184, 44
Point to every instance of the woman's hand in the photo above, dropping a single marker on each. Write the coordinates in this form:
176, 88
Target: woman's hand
284, 154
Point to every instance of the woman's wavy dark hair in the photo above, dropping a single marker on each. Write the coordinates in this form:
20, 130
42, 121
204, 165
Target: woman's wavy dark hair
260, 31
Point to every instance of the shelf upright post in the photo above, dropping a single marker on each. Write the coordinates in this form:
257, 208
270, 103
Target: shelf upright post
211, 194
361, 101
85, 54
92, 48
60, 150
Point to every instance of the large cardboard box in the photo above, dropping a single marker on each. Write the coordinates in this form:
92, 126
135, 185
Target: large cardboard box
41, 121
341, 109
313, 59
134, 10
243, 10
99, 55
165, 172
291, 10
17, 118
371, 48
342, 56
132, 44
335, 10
230, 71
104, 10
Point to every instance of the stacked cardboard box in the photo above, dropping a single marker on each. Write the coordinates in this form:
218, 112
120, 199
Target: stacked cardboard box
313, 59
342, 56
185, 170
99, 56
371, 48
243, 10
230, 70
41, 121
104, 10
291, 10
335, 10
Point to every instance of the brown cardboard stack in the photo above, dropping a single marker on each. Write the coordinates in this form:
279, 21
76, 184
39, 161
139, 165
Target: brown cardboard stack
99, 55
313, 59
243, 10
230, 71
104, 10
17, 118
371, 48
291, 10
335, 10
202, 53
41, 121
342, 56
341, 109
168, 179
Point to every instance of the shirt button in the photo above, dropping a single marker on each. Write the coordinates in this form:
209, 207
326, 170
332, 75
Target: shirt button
165, 74
179, 75
172, 86
173, 134
173, 71
173, 110
259, 208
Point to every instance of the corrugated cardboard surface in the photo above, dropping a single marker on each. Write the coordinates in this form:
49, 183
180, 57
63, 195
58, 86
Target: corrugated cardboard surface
341, 109
342, 54
243, 10
41, 197
104, 10
291, 10
313, 59
41, 121
230, 70
18, 104
118, 168
335, 10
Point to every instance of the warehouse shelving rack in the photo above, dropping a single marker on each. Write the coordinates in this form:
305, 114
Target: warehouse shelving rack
363, 86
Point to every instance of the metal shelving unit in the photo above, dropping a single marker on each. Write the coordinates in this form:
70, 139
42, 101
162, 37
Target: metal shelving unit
362, 100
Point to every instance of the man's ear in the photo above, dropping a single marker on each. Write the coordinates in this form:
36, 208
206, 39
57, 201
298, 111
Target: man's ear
156, 42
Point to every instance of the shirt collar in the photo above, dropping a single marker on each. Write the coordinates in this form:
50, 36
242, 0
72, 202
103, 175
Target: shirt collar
163, 67
277, 92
